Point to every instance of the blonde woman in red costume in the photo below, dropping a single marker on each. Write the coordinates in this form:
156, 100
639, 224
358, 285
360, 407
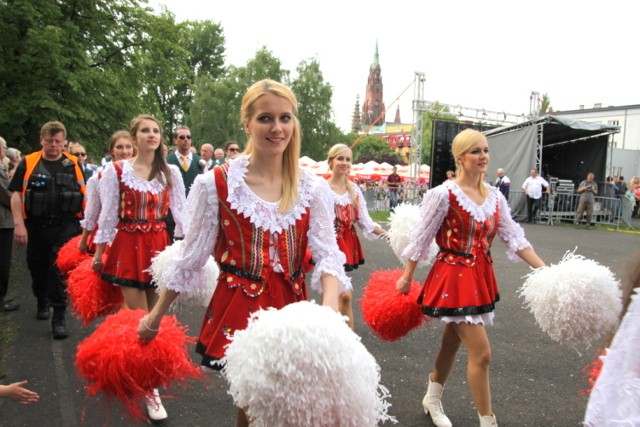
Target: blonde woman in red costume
350, 209
257, 215
463, 215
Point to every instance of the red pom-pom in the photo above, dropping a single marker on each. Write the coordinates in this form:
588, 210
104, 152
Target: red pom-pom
592, 372
69, 256
390, 314
92, 297
115, 362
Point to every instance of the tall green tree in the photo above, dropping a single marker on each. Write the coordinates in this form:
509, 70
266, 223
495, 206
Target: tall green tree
214, 116
68, 61
314, 96
370, 147
177, 53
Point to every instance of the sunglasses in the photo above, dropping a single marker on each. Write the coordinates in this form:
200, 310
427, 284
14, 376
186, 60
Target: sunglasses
80, 154
233, 150
183, 137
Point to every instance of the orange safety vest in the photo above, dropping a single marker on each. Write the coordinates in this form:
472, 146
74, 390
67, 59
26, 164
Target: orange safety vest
31, 161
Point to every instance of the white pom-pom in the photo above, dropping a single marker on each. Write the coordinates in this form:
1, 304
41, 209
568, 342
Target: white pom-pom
302, 366
200, 297
403, 221
576, 301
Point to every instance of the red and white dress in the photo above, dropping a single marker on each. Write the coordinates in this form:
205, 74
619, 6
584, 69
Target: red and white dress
260, 251
347, 215
461, 286
136, 209
92, 209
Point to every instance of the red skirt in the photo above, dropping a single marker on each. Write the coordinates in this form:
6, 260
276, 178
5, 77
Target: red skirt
349, 244
231, 305
460, 286
130, 256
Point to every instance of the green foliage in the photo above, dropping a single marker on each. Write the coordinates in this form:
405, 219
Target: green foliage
214, 116
545, 105
441, 113
96, 64
319, 133
370, 147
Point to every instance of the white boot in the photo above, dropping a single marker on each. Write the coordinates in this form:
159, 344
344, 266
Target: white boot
488, 420
432, 404
154, 406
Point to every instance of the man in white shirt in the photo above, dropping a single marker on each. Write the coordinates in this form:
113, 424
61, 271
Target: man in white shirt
502, 183
533, 186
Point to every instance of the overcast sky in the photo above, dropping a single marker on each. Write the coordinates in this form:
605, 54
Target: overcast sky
487, 54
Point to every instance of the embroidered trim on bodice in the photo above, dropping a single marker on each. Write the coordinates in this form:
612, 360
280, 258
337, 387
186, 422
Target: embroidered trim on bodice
478, 212
263, 214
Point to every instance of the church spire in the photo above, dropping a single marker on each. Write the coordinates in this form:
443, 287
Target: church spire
376, 57
373, 111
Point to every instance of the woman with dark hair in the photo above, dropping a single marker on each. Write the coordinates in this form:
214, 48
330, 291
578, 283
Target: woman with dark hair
120, 148
136, 194
257, 215
463, 215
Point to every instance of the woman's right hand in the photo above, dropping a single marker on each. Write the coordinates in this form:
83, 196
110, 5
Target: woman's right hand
403, 285
82, 244
146, 330
97, 265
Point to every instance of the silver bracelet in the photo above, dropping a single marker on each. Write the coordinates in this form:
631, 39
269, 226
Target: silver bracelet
148, 328
405, 280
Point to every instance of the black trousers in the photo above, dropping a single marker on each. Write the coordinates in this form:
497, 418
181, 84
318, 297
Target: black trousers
45, 240
6, 244
533, 206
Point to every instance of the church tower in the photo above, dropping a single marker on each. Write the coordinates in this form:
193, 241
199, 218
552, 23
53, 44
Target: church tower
356, 124
373, 106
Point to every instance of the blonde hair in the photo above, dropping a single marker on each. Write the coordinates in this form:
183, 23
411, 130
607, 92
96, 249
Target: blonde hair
292, 152
334, 152
460, 145
159, 166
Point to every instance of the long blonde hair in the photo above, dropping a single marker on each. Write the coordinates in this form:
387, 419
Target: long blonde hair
292, 152
159, 167
334, 152
460, 145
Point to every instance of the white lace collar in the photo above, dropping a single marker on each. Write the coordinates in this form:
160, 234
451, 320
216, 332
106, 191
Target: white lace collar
478, 212
134, 182
260, 213
341, 199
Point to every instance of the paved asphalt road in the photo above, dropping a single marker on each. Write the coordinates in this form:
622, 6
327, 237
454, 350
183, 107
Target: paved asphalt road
535, 381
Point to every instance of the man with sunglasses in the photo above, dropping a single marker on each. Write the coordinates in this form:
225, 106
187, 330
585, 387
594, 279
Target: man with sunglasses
80, 152
186, 161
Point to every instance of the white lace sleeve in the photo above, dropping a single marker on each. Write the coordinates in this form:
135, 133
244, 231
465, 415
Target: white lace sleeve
510, 231
615, 397
92, 209
110, 199
364, 220
433, 209
322, 238
186, 272
177, 200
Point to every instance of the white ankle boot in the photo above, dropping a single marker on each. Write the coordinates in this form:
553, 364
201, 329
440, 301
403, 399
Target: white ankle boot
488, 420
432, 404
154, 406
